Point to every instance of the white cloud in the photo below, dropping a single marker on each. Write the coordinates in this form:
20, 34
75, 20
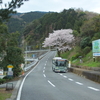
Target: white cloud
59, 5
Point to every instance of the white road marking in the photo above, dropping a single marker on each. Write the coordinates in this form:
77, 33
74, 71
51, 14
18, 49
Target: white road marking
45, 64
70, 79
44, 67
79, 83
65, 76
21, 86
51, 83
43, 71
44, 75
93, 88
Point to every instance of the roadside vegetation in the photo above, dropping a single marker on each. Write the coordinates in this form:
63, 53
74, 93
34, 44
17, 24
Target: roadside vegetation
87, 59
5, 94
10, 51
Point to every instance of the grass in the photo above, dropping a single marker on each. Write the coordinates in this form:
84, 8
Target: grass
5, 94
92, 64
87, 59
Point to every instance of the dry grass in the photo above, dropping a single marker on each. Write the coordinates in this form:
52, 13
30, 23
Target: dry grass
5, 94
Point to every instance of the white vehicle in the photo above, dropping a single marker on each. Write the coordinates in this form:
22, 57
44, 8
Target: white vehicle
59, 64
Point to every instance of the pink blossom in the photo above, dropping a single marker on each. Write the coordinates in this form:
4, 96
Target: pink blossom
61, 39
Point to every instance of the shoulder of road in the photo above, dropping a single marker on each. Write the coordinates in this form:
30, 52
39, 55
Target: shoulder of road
90, 74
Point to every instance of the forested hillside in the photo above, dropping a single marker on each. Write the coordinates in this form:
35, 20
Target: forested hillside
85, 25
19, 20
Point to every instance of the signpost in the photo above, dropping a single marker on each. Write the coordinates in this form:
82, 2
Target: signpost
10, 72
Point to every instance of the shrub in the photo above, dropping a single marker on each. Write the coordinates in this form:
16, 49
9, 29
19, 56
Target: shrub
2, 81
75, 56
86, 50
85, 42
98, 59
8, 78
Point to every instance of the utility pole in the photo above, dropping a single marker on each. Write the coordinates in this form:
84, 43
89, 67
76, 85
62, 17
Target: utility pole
26, 56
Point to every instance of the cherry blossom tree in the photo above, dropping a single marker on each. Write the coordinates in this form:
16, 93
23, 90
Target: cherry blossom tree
61, 39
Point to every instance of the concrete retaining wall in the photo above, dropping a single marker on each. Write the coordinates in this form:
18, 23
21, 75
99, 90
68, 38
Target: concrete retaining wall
89, 74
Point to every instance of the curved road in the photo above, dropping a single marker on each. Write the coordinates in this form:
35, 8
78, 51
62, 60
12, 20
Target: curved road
43, 84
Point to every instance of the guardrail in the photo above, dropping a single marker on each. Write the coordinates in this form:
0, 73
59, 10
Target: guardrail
28, 66
37, 51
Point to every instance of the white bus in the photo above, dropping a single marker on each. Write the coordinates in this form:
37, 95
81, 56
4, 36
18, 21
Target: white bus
59, 64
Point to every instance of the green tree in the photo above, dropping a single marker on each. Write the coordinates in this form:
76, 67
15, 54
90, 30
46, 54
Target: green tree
3, 29
59, 23
3, 36
12, 53
13, 57
13, 39
8, 42
91, 28
85, 42
5, 13
97, 23
96, 36
88, 28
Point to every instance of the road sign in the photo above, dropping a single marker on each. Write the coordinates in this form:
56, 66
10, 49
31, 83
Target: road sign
96, 54
33, 56
96, 46
1, 71
10, 66
10, 73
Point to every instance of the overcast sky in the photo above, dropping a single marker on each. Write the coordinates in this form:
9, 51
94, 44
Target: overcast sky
59, 5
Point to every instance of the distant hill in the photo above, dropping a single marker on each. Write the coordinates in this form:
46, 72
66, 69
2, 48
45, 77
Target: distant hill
19, 20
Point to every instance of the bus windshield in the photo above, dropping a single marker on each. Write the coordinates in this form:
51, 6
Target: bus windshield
60, 63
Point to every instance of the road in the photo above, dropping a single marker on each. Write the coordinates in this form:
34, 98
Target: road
43, 84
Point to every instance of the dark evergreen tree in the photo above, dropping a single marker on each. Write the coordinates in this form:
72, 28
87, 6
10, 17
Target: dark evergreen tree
9, 9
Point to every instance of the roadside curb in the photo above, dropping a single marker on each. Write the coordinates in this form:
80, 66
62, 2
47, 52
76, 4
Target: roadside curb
89, 74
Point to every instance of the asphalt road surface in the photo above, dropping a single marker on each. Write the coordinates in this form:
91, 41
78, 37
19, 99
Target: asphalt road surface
43, 84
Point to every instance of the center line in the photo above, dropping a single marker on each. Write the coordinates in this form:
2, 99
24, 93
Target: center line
43, 71
44, 75
65, 76
79, 83
70, 79
93, 88
51, 83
